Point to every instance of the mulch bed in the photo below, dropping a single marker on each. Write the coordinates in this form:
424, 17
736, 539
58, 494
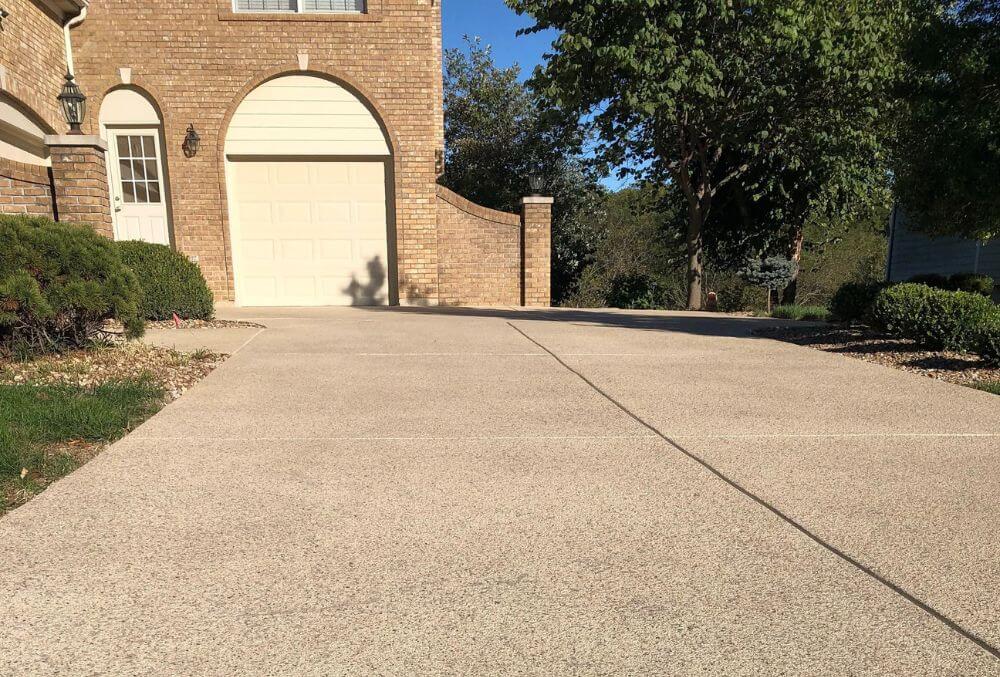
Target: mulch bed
864, 344
175, 372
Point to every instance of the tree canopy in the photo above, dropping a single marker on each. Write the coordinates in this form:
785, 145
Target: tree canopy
783, 97
947, 160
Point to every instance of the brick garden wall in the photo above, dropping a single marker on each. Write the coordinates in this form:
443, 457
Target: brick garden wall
25, 189
479, 253
197, 60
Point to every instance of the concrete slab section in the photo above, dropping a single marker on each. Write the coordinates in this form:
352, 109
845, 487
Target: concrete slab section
923, 512
780, 388
263, 395
435, 557
219, 340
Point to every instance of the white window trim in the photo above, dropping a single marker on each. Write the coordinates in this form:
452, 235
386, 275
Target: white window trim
298, 10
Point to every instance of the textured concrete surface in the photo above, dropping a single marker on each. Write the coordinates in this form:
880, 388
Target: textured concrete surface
219, 340
429, 492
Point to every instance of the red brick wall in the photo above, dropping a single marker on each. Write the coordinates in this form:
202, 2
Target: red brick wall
197, 61
479, 253
34, 60
25, 189
80, 178
538, 252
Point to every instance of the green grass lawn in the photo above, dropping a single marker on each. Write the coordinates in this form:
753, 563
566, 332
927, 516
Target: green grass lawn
39, 425
989, 386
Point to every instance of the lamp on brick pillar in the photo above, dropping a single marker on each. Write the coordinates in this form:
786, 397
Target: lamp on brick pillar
536, 246
74, 104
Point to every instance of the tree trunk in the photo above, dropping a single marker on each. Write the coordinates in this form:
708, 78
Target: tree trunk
795, 254
696, 270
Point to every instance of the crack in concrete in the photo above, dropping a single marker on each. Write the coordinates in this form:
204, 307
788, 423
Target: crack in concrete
900, 591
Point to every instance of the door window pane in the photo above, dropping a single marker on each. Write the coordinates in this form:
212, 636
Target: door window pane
139, 169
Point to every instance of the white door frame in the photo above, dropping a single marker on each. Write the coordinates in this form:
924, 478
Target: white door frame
115, 179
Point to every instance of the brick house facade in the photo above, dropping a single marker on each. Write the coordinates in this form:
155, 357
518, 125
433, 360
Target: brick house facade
318, 132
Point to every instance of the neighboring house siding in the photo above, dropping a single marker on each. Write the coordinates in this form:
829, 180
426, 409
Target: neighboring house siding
479, 253
198, 60
912, 253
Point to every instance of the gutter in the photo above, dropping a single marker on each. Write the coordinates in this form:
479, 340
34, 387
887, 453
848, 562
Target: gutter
75, 21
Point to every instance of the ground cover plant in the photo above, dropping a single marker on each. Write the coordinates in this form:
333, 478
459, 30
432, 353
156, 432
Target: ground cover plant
797, 312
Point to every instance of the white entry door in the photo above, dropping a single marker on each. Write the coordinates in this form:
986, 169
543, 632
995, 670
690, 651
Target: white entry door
309, 233
138, 198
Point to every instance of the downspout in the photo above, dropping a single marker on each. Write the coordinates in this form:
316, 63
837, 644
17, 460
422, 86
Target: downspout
75, 21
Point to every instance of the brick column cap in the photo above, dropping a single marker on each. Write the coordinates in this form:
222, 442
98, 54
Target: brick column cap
538, 200
76, 141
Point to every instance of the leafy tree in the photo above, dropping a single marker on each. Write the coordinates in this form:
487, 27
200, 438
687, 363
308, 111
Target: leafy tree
497, 133
948, 157
708, 93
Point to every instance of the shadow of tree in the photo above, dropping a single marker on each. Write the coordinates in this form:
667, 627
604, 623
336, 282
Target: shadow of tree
372, 293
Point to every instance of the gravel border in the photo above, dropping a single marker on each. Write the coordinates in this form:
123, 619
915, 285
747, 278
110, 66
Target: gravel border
203, 324
865, 344
174, 371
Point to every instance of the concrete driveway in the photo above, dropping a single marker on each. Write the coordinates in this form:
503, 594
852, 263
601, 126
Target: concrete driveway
550, 492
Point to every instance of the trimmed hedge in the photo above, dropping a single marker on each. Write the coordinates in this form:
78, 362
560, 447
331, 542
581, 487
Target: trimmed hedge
973, 283
852, 301
989, 340
170, 282
935, 318
59, 283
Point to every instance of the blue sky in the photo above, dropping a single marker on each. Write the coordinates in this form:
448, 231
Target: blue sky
497, 25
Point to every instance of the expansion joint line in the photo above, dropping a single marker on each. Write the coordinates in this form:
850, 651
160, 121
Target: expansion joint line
908, 596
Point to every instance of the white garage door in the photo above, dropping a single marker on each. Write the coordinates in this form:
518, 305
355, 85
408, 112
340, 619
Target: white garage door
309, 233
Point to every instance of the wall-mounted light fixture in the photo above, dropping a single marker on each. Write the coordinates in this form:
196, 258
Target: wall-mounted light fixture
74, 104
3, 15
191, 142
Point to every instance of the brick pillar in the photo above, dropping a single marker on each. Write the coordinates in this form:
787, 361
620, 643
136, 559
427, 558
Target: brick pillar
536, 251
80, 181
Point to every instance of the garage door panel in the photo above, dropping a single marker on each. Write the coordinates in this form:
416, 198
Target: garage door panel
310, 233
258, 250
336, 251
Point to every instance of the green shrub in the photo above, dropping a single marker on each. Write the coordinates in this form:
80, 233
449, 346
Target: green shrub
735, 295
852, 300
988, 340
170, 282
797, 312
967, 282
931, 280
59, 283
934, 318
972, 283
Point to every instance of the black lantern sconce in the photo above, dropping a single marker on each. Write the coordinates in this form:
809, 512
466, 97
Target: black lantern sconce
74, 104
191, 142
537, 183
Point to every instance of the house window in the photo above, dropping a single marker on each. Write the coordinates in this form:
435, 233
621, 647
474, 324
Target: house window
301, 6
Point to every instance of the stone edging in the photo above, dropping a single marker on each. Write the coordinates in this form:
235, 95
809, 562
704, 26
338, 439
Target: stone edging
471, 208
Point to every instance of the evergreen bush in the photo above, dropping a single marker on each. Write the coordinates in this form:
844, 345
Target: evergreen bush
59, 284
